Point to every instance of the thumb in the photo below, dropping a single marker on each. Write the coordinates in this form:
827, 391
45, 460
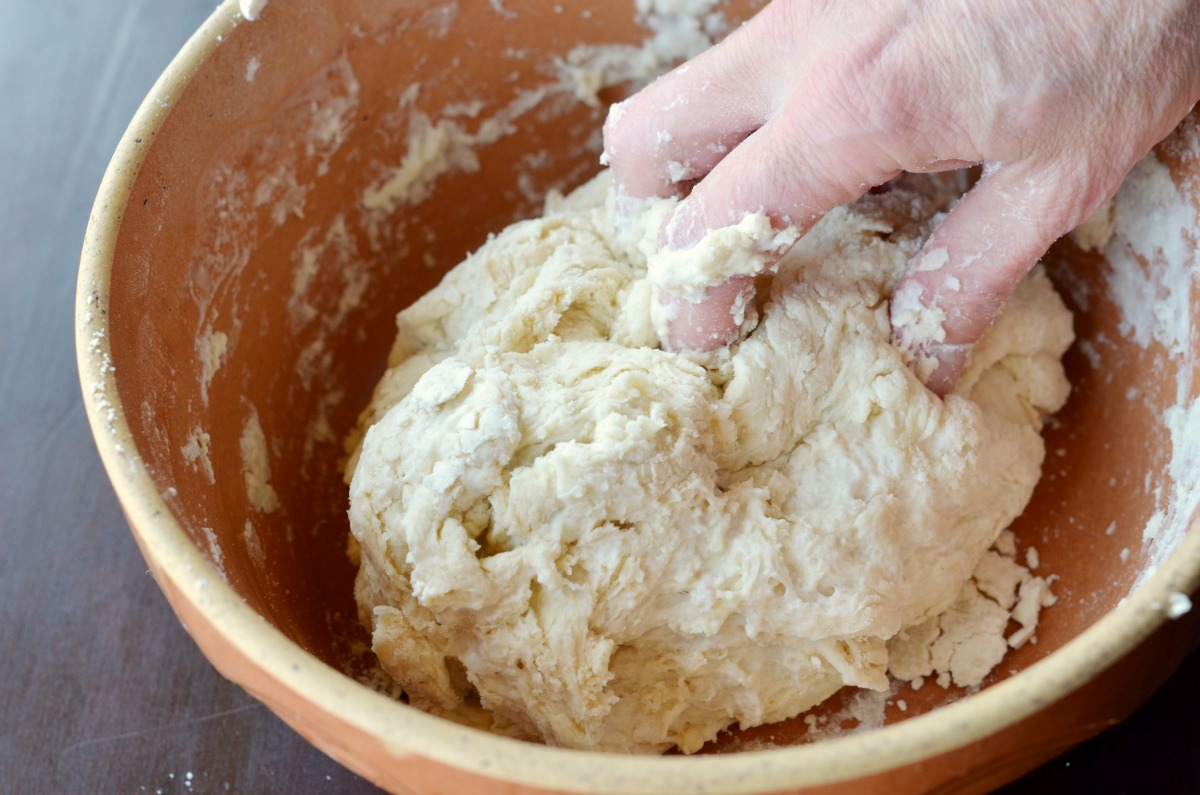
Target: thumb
971, 264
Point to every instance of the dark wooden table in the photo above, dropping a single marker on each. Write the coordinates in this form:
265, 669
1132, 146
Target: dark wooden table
101, 691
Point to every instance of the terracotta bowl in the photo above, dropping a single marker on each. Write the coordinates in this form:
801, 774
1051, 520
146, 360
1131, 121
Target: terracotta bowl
236, 299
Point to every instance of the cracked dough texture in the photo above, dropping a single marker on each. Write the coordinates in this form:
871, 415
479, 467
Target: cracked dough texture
565, 533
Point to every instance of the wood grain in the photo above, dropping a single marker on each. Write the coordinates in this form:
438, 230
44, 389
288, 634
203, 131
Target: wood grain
101, 690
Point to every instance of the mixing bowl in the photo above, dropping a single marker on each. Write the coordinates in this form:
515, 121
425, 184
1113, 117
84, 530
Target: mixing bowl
294, 180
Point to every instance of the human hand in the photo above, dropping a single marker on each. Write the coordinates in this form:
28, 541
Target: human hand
811, 103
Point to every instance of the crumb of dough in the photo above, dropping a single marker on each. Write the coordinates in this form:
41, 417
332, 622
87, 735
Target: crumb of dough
1178, 605
211, 350
256, 466
1095, 233
568, 534
196, 453
251, 8
962, 645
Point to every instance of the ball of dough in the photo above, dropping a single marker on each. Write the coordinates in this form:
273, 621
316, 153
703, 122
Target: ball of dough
566, 533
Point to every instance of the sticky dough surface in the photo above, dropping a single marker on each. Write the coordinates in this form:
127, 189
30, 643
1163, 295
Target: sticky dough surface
569, 534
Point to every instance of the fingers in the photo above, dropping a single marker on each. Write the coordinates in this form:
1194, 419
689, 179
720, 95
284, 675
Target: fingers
972, 263
813, 154
790, 169
676, 129
712, 323
739, 122
812, 103
762, 175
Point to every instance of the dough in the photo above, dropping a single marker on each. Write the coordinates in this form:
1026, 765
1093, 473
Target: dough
569, 534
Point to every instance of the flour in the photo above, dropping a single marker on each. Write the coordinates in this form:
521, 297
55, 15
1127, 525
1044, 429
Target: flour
256, 466
445, 145
215, 553
253, 64
251, 8
240, 212
611, 546
195, 452
211, 347
865, 710
1178, 605
680, 30
1152, 273
1152, 223
433, 150
962, 645
253, 543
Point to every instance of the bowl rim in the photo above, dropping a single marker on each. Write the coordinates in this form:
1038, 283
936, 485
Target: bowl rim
406, 730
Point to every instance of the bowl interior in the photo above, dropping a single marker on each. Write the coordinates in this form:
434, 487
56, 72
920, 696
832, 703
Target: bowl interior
279, 220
